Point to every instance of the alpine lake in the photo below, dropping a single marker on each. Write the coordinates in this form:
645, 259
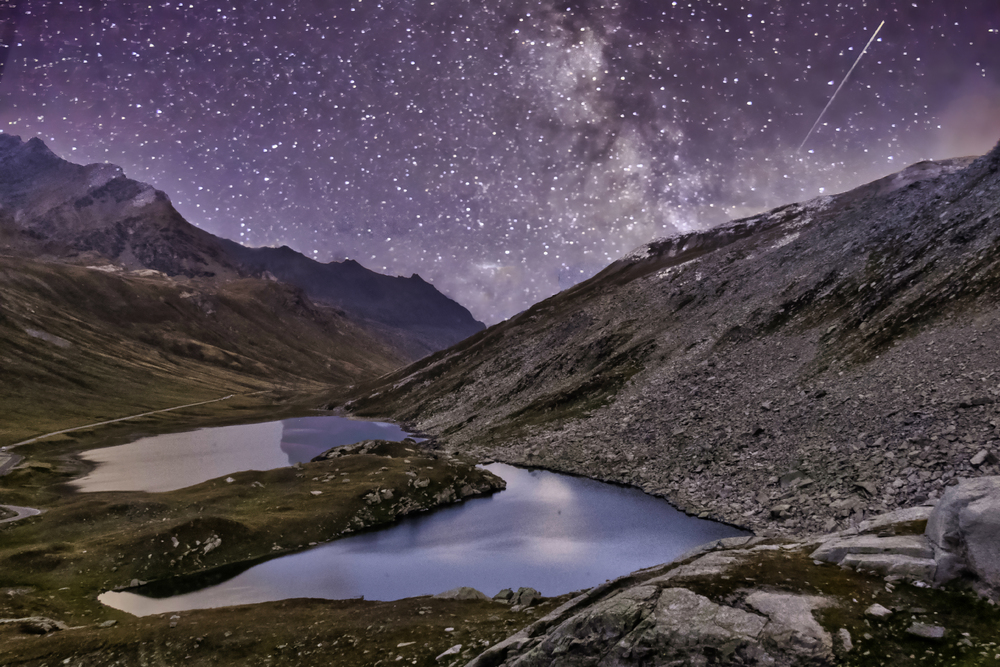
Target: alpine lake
552, 532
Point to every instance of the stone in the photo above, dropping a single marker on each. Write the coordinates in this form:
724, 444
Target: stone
792, 621
789, 479
211, 544
867, 487
974, 401
107, 624
964, 530
462, 593
888, 521
835, 550
504, 596
711, 564
37, 625
454, 650
846, 643
685, 612
526, 597
779, 511
878, 611
983, 456
907, 567
925, 631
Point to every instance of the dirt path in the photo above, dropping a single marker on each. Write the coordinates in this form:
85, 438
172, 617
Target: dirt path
120, 419
20, 512
8, 461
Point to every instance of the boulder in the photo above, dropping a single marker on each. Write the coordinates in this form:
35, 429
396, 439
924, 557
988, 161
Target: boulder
889, 521
834, 551
36, 625
908, 556
878, 611
964, 531
983, 456
792, 622
526, 597
462, 593
504, 596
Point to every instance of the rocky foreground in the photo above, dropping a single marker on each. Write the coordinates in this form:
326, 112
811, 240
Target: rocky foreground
870, 595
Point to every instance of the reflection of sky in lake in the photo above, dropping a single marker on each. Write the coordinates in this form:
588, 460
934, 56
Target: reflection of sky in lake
175, 460
552, 532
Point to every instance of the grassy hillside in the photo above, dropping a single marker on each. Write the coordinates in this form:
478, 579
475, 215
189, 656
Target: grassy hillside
80, 345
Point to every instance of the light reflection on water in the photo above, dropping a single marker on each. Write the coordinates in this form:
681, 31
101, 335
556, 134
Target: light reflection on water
552, 532
176, 460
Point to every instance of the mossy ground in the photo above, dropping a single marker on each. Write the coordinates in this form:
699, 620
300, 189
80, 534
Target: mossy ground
338, 633
54, 565
972, 624
79, 346
90, 542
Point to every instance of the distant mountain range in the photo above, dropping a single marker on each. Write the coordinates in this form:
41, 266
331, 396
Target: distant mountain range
51, 207
791, 371
111, 303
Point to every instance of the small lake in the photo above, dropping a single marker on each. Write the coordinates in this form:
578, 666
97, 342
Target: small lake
176, 460
554, 533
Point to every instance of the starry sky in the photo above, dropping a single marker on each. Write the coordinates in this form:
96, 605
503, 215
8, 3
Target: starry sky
502, 149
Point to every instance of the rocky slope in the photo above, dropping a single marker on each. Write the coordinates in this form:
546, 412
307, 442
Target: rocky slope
797, 370
94, 214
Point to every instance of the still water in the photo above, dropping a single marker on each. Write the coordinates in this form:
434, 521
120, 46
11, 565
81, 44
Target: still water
176, 460
552, 532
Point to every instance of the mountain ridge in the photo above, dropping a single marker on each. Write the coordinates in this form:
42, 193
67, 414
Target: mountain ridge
708, 367
49, 206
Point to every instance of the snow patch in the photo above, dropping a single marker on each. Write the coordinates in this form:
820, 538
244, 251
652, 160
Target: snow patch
144, 198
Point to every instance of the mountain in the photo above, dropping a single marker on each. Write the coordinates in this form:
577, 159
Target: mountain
51, 207
793, 371
408, 312
82, 344
112, 304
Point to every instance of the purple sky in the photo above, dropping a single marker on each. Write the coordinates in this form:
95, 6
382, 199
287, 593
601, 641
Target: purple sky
502, 150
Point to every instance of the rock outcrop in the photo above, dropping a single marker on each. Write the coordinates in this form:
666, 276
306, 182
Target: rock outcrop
964, 531
754, 601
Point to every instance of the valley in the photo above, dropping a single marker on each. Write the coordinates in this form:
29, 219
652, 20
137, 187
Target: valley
822, 374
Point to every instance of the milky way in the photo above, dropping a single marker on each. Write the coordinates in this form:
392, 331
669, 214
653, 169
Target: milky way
502, 150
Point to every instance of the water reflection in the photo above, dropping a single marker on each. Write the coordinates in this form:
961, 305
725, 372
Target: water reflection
552, 532
176, 460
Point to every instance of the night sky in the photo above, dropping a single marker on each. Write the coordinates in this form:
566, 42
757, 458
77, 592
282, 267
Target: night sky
502, 150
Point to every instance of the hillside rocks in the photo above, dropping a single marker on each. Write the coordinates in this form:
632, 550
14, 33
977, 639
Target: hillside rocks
768, 602
797, 371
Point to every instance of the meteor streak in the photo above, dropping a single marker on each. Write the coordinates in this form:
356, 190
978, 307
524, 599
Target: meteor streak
846, 77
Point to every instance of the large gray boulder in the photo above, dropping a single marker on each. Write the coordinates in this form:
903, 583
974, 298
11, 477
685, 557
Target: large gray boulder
964, 531
462, 593
660, 621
